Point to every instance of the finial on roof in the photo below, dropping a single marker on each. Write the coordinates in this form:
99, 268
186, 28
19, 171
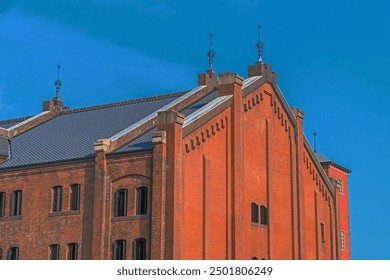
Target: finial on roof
58, 83
259, 45
211, 53
315, 140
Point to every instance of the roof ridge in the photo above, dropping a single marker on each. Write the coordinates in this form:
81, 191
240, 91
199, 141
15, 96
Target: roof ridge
20, 119
126, 102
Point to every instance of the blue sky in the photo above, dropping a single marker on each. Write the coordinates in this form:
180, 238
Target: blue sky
331, 57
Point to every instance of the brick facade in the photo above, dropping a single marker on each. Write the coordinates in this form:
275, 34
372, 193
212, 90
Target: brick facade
205, 177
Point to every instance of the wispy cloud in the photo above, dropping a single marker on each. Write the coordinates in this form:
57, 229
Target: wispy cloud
94, 71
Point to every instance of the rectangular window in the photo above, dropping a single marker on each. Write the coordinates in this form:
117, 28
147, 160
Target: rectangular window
2, 204
13, 253
57, 199
255, 212
139, 249
342, 239
142, 201
16, 203
121, 203
1, 254
263, 215
54, 252
119, 250
75, 197
322, 233
72, 251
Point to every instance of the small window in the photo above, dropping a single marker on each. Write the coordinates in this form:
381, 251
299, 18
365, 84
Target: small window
322, 233
255, 212
54, 252
119, 250
13, 253
263, 215
139, 249
342, 239
75, 197
142, 201
254, 258
2, 204
1, 254
121, 203
72, 251
16, 203
57, 199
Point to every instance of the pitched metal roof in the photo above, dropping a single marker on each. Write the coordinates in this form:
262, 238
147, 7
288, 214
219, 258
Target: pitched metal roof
145, 140
11, 122
71, 134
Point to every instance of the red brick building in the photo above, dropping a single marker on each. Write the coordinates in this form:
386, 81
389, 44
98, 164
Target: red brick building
223, 171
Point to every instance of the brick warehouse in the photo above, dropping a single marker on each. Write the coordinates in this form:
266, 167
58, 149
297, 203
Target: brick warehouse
222, 171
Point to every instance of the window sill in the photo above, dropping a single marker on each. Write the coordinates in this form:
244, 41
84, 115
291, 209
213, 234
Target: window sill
64, 213
11, 218
130, 218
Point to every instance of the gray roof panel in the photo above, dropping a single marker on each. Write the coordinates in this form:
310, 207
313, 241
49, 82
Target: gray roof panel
71, 134
145, 141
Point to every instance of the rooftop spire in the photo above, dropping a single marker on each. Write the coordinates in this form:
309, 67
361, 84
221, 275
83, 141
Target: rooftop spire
259, 45
58, 83
211, 53
315, 140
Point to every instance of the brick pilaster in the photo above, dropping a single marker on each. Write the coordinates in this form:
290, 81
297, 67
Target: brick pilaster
231, 84
171, 122
101, 203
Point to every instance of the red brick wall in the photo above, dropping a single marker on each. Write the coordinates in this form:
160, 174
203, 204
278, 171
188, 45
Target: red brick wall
335, 172
38, 227
268, 176
206, 185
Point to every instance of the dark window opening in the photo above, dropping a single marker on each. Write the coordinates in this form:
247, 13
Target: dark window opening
322, 233
75, 197
57, 199
142, 201
2, 204
254, 258
1, 254
72, 251
255, 212
16, 203
264, 215
13, 253
54, 252
139, 249
119, 250
121, 203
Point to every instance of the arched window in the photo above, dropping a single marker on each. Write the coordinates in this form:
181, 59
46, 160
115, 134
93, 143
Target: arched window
121, 203
57, 199
142, 201
263, 215
75, 197
16, 203
2, 204
139, 249
72, 251
119, 250
54, 252
13, 253
255, 212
